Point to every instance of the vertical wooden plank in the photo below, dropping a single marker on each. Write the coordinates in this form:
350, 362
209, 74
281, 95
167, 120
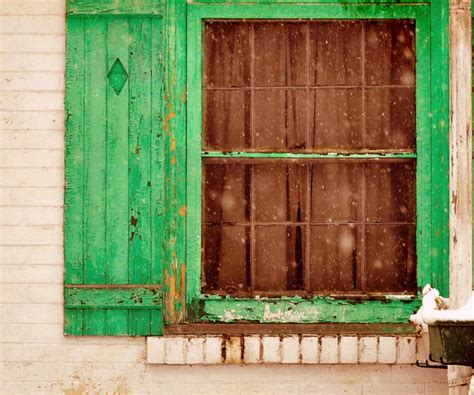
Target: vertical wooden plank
95, 165
73, 322
139, 147
439, 147
117, 171
156, 323
460, 220
423, 147
460, 154
175, 161
74, 195
157, 165
194, 168
117, 156
116, 322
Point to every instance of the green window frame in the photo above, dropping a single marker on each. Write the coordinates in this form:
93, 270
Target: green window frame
431, 259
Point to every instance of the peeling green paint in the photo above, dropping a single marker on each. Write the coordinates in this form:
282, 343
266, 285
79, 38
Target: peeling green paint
299, 310
112, 297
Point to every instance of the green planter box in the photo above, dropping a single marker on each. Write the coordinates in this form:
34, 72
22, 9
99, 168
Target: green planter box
452, 342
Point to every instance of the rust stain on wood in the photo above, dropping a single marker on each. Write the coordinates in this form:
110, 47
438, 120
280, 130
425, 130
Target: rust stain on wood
168, 118
176, 293
182, 210
170, 283
182, 282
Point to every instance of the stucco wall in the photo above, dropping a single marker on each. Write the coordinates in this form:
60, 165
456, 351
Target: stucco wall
36, 357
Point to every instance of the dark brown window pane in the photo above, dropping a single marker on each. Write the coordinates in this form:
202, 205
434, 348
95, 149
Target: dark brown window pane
391, 118
226, 54
226, 193
336, 192
280, 120
390, 192
226, 255
226, 119
274, 225
261, 216
280, 54
280, 192
357, 81
335, 53
390, 52
334, 258
391, 258
336, 119
279, 257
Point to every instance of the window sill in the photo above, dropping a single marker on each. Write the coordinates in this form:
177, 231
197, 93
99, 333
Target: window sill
291, 329
289, 349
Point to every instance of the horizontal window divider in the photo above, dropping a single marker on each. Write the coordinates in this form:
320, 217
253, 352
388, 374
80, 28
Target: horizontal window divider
300, 295
304, 87
304, 155
112, 296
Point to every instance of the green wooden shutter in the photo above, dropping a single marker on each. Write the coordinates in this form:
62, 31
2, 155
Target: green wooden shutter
114, 174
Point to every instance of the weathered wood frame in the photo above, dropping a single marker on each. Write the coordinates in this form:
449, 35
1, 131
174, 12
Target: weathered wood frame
388, 308
460, 171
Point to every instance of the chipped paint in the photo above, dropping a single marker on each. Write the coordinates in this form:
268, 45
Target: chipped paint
290, 315
300, 310
174, 124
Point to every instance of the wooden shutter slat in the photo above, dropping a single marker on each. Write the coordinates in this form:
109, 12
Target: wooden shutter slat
117, 152
95, 121
117, 174
139, 164
74, 197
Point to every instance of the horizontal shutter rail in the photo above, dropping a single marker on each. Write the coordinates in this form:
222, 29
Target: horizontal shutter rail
115, 296
113, 7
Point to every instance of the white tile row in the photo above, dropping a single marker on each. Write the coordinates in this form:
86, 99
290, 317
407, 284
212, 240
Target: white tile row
294, 349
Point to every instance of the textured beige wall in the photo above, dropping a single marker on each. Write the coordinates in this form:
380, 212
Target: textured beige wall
36, 357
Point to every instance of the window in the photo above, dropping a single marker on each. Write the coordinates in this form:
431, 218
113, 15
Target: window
312, 135
327, 220
245, 163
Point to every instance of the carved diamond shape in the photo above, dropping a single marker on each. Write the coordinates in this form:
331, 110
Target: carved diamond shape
117, 76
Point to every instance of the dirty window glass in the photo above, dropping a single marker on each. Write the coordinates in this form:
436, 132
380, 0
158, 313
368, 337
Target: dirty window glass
278, 222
